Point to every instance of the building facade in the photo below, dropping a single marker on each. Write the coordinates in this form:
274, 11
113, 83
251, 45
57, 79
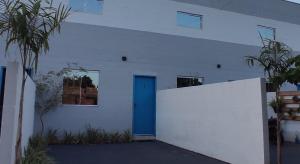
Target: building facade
130, 48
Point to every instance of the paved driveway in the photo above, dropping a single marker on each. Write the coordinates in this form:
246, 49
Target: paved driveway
134, 153
148, 153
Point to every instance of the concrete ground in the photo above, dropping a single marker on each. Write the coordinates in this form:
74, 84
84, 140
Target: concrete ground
133, 153
148, 153
290, 153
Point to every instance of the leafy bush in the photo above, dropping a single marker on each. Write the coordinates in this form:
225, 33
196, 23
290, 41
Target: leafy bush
36, 152
52, 137
81, 138
126, 136
115, 137
93, 135
69, 138
90, 136
105, 137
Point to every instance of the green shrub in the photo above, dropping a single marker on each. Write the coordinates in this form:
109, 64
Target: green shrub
81, 138
126, 136
92, 135
105, 137
115, 137
36, 152
69, 138
52, 137
37, 142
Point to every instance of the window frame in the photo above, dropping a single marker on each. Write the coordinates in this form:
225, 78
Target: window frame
92, 13
266, 27
81, 105
190, 14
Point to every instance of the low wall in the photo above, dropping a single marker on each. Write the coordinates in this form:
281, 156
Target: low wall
226, 121
11, 105
29, 111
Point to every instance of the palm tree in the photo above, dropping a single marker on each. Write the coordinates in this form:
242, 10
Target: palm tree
28, 25
276, 59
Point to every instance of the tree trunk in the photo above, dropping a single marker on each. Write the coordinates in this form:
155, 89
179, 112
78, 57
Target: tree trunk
279, 157
278, 131
18, 148
42, 124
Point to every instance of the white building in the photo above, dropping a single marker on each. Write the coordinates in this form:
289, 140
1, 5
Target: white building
134, 47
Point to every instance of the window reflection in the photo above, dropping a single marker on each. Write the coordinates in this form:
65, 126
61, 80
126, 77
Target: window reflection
189, 81
189, 20
87, 6
266, 32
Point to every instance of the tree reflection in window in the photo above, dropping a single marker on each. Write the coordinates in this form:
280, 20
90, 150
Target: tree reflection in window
81, 88
184, 81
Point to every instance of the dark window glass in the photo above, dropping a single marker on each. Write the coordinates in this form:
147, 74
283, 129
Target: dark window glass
81, 88
189, 81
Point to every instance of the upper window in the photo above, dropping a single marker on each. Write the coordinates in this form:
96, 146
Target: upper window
81, 87
294, 1
184, 81
266, 32
87, 6
189, 20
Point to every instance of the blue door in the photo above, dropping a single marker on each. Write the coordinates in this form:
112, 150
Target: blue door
144, 106
2, 80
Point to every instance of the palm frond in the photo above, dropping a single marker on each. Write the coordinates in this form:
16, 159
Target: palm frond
29, 25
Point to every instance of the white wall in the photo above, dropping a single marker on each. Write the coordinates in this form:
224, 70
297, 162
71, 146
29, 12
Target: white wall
226, 121
159, 16
29, 112
10, 114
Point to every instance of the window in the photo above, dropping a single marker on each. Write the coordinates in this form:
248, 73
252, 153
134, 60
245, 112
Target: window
189, 81
266, 32
81, 87
87, 6
189, 20
294, 1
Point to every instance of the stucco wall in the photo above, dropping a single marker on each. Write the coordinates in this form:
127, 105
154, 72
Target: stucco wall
29, 111
159, 16
10, 115
226, 121
163, 56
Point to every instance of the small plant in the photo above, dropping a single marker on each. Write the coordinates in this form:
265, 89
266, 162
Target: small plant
106, 137
115, 137
126, 136
81, 138
92, 135
69, 138
277, 105
52, 137
36, 152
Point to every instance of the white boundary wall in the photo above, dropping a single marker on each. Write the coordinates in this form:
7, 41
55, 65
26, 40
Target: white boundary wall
226, 121
12, 93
